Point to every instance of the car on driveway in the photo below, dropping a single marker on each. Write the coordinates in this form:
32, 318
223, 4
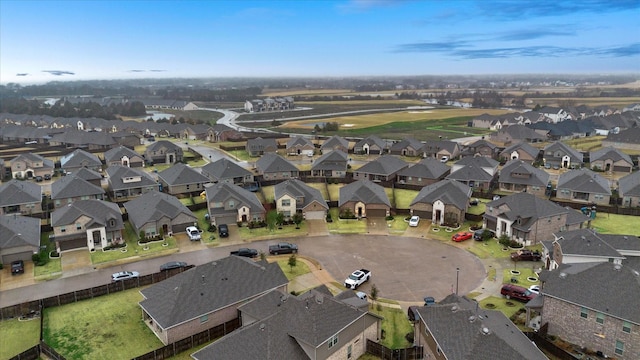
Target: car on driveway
535, 289
124, 275
462, 236
516, 292
194, 233
172, 265
526, 255
414, 221
223, 230
17, 267
47, 176
482, 234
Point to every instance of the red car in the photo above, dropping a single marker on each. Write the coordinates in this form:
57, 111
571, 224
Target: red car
462, 236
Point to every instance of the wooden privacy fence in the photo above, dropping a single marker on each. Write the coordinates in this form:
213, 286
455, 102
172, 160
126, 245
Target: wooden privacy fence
384, 353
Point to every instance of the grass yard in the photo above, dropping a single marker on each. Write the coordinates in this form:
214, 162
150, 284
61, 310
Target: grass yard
208, 238
322, 187
51, 269
403, 197
334, 191
395, 326
18, 336
108, 327
269, 193
487, 249
264, 233
398, 225
480, 208
346, 226
616, 224
300, 269
501, 305
526, 270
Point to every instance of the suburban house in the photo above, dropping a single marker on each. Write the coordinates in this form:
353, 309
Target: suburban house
274, 167
629, 189
481, 148
207, 296
425, 172
593, 305
260, 146
92, 224
585, 245
522, 151
407, 147
332, 164
529, 219
20, 238
521, 176
154, 212
371, 145
364, 198
487, 121
163, 152
225, 170
477, 172
516, 134
335, 143
300, 145
441, 148
625, 139
182, 179
490, 166
558, 154
231, 204
456, 328
584, 185
555, 114
72, 188
314, 325
90, 176
29, 165
20, 197
610, 159
294, 196
383, 168
220, 132
195, 132
78, 159
126, 183
566, 130
444, 202
123, 156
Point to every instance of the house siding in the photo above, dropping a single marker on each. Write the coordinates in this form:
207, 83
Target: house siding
183, 189
353, 336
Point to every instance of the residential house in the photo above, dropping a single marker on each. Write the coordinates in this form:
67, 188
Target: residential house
594, 306
425, 172
220, 133
92, 224
364, 198
481, 148
163, 152
371, 145
584, 185
123, 156
457, 329
260, 146
314, 325
520, 176
90, 176
559, 154
196, 132
20, 197
487, 121
231, 204
625, 139
29, 165
182, 179
441, 148
71, 188
522, 151
629, 189
444, 202
225, 170
274, 167
207, 296
332, 164
126, 183
529, 219
299, 145
555, 114
335, 143
384, 168
516, 134
78, 159
586, 245
157, 213
20, 238
407, 147
83, 139
489, 165
610, 159
293, 196
477, 172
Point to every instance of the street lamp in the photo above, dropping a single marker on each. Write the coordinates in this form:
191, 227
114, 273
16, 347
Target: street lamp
457, 276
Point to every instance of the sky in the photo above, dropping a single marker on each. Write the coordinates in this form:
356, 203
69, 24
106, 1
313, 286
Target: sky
51, 40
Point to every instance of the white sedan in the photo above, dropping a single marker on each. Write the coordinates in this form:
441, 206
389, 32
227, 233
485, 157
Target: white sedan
414, 220
535, 289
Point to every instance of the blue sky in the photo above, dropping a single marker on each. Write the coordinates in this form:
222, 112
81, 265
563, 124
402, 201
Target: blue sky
56, 40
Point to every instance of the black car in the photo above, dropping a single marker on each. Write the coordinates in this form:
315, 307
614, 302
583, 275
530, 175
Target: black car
47, 176
172, 265
17, 267
223, 230
39, 178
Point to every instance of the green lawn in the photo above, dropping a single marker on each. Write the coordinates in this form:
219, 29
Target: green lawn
501, 305
108, 327
404, 197
526, 270
395, 326
209, 238
300, 269
322, 187
334, 191
269, 194
489, 248
616, 224
266, 233
480, 208
346, 226
398, 225
53, 268
18, 336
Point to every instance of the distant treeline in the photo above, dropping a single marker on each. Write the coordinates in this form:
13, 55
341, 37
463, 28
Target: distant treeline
68, 110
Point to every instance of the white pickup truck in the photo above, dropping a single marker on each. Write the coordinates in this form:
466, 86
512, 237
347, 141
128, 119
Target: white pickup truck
357, 278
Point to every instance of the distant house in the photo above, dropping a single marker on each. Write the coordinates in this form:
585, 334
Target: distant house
20, 197
584, 185
383, 168
163, 152
439, 149
20, 238
364, 198
407, 147
91, 224
559, 154
79, 159
72, 188
626, 139
444, 202
335, 143
225, 170
126, 183
213, 292
332, 164
274, 167
123, 156
29, 165
522, 151
515, 134
230, 204
260, 146
425, 172
90, 176
220, 133
293, 196
155, 211
629, 189
481, 148
555, 114
520, 176
196, 132
300, 145
371, 145
611, 159
182, 179
477, 172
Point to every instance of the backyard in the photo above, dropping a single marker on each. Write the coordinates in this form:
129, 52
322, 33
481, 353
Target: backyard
18, 336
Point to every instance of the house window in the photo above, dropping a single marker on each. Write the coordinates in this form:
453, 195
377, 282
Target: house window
333, 341
63, 229
57, 203
187, 186
204, 319
600, 318
78, 226
232, 204
583, 312
619, 347
286, 202
626, 327
349, 350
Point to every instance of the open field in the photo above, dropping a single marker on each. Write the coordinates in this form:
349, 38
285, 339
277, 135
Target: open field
616, 102
303, 92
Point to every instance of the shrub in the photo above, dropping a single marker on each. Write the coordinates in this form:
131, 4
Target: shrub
504, 240
389, 218
212, 228
475, 227
347, 214
514, 244
40, 259
239, 224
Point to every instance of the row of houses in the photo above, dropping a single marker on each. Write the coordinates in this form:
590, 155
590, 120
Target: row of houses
269, 104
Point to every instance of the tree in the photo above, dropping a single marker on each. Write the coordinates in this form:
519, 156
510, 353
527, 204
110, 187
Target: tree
297, 219
263, 255
374, 293
141, 234
293, 261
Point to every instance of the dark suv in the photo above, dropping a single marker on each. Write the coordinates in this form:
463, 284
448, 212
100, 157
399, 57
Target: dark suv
17, 267
516, 292
223, 230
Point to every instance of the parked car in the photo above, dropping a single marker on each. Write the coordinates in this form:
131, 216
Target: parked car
283, 248
428, 301
357, 278
444, 159
526, 255
361, 295
245, 252
462, 236
47, 176
17, 267
535, 289
39, 178
482, 234
124, 275
516, 292
223, 230
414, 221
172, 265
194, 233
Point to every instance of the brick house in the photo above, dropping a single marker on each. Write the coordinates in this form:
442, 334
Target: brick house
371, 145
521, 151
443, 202
629, 189
561, 155
29, 165
520, 176
20, 197
425, 172
293, 196
20, 238
230, 204
70, 188
260, 146
611, 159
126, 183
584, 185
163, 152
155, 211
78, 159
123, 156
182, 179
383, 168
225, 170
363, 198
332, 164
335, 143
274, 167
407, 147
299, 145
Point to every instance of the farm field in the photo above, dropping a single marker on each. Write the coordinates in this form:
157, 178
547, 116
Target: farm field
616, 102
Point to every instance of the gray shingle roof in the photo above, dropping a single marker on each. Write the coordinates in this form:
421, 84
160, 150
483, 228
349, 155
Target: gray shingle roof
224, 169
523, 146
80, 158
298, 140
18, 230
158, 145
629, 136
99, 211
584, 180
622, 243
332, 160
71, 186
428, 168
334, 142
181, 174
525, 206
522, 132
208, 288
520, 172
405, 143
470, 173
481, 161
299, 190
450, 192
365, 191
16, 192
221, 192
384, 165
153, 206
87, 174
609, 153
629, 185
271, 163
585, 242
117, 173
564, 149
371, 140
115, 154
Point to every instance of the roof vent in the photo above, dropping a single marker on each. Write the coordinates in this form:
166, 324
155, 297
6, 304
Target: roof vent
617, 267
635, 272
262, 327
563, 275
472, 318
625, 238
454, 308
485, 330
319, 299
284, 297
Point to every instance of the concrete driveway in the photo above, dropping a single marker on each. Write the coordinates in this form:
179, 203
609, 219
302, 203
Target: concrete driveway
377, 226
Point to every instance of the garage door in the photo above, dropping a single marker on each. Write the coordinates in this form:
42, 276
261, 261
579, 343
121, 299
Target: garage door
9, 258
73, 244
228, 219
423, 214
315, 215
621, 169
178, 228
376, 213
